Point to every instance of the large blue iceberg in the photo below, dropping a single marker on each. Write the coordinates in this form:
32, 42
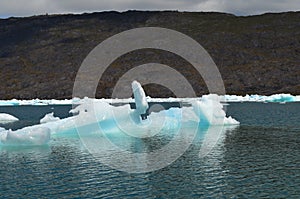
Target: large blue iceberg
92, 114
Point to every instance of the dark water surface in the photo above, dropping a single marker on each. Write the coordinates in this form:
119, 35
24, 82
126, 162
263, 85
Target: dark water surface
259, 159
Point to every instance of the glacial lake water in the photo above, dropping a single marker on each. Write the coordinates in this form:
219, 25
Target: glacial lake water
258, 159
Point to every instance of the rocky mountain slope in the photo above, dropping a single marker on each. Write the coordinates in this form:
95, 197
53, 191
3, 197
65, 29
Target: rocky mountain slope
40, 55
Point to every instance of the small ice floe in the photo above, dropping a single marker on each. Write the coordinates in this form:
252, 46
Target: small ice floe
49, 118
7, 118
28, 136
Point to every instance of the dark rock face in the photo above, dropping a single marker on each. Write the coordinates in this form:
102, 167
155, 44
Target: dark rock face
40, 55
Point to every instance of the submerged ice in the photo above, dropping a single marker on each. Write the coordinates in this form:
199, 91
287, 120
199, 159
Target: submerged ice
91, 114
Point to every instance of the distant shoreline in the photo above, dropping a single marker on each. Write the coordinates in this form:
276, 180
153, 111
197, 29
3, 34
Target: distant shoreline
40, 55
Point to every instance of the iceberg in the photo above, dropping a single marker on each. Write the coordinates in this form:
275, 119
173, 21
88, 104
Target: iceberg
94, 115
7, 118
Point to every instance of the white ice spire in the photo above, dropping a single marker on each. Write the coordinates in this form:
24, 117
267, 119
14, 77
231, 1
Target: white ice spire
141, 103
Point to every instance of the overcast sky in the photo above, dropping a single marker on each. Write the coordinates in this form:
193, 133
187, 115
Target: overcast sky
238, 7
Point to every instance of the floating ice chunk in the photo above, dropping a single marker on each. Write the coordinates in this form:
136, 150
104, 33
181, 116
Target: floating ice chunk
231, 121
91, 114
210, 111
281, 98
278, 98
7, 118
140, 98
115, 119
26, 136
12, 102
49, 118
